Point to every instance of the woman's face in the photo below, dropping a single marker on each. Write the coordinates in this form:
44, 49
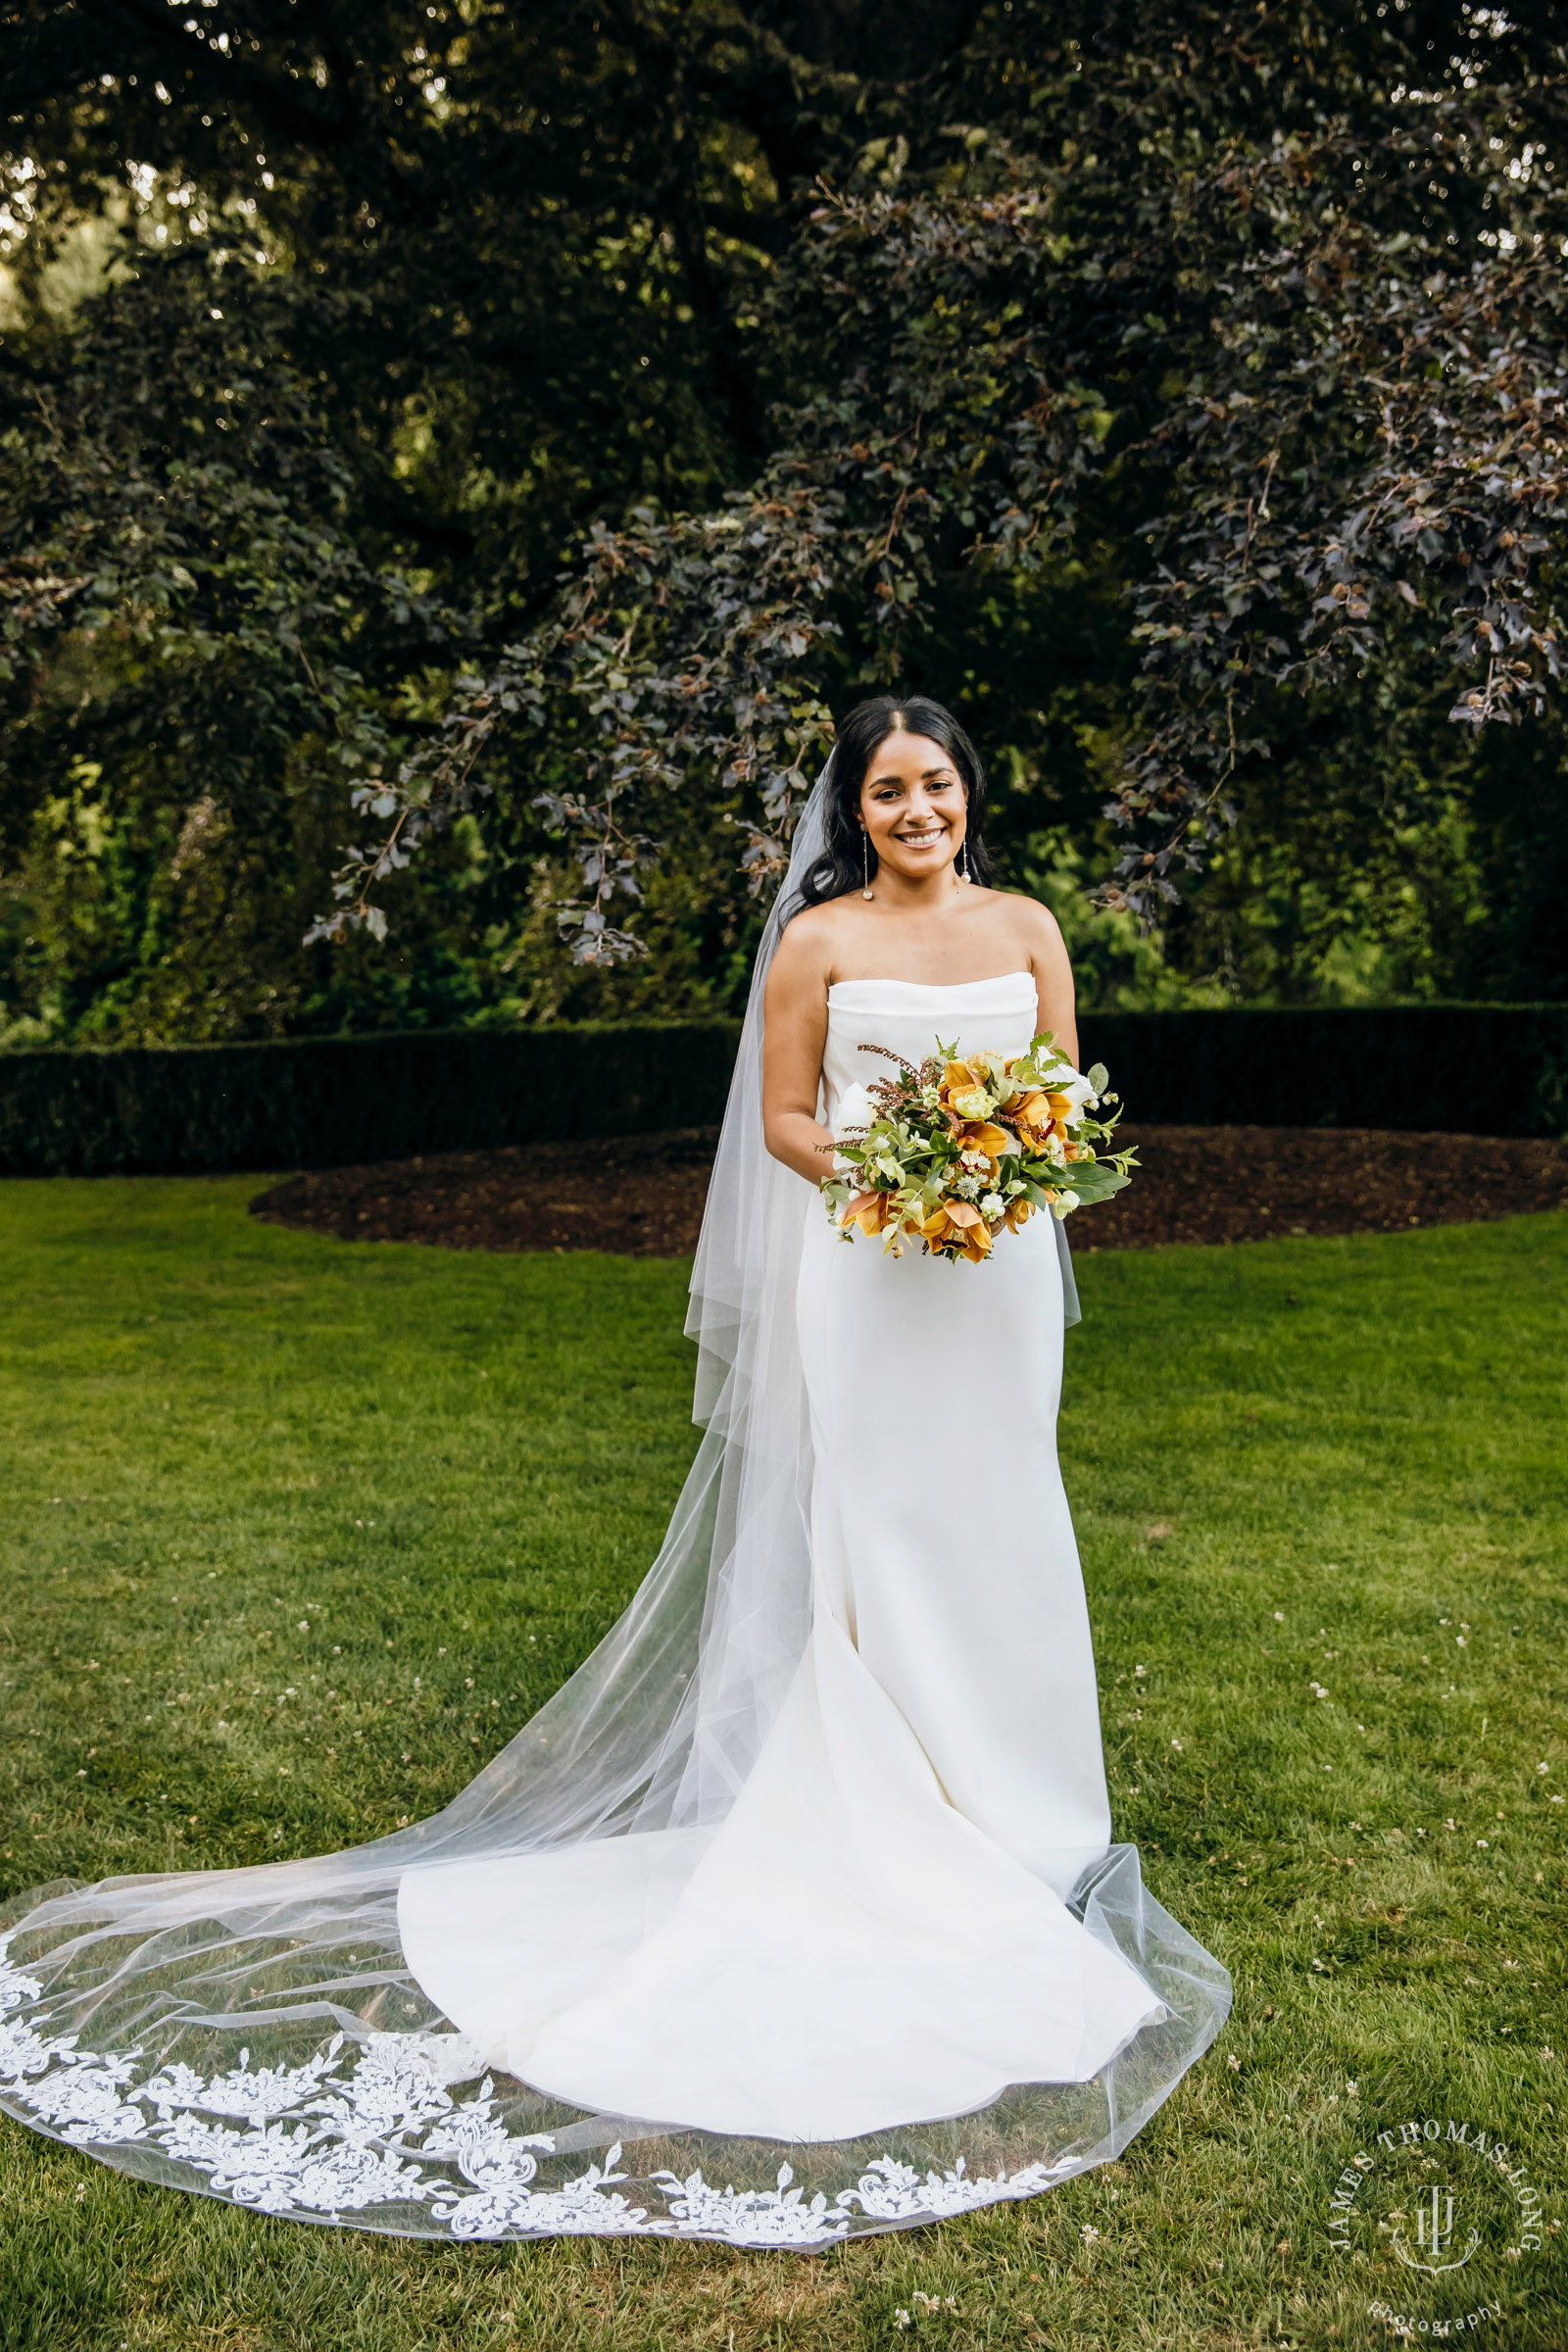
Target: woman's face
913, 806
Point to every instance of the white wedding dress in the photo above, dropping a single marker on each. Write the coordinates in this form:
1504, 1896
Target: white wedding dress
794, 1915
876, 1933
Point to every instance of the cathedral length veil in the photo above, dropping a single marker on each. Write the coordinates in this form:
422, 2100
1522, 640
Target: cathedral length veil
255, 2035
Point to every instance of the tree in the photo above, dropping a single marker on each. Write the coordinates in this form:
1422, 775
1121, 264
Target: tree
595, 405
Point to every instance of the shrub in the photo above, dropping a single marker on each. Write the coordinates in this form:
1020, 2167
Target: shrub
1477, 1069
302, 1103
1457, 1069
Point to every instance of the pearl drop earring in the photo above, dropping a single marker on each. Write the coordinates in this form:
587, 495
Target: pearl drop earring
866, 863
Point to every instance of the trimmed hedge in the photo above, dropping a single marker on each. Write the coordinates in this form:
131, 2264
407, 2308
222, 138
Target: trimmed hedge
303, 1103
333, 1101
1456, 1069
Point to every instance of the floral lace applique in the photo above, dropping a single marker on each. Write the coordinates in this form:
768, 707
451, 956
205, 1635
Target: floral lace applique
361, 2125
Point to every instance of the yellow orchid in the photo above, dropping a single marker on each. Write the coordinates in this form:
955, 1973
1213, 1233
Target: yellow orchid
992, 1141
871, 1211
1030, 1111
956, 1226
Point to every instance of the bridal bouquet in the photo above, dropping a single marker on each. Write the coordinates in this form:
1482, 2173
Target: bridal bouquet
951, 1153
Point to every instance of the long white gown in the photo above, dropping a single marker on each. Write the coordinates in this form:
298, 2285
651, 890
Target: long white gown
877, 1932
794, 1915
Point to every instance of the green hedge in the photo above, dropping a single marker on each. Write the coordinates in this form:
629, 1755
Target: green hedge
1460, 1069
1477, 1069
321, 1102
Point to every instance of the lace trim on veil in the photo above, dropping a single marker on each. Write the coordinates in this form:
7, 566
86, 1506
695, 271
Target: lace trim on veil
382, 2130
357, 2128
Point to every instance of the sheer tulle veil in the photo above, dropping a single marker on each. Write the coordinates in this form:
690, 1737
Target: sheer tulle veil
255, 2033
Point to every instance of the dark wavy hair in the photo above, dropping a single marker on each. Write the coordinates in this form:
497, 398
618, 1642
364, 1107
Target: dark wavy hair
860, 736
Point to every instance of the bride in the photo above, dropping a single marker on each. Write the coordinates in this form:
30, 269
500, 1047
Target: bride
795, 1914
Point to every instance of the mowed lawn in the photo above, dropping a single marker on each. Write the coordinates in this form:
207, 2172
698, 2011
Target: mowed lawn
236, 1461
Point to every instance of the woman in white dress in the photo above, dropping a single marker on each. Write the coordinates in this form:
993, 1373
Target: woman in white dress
797, 1909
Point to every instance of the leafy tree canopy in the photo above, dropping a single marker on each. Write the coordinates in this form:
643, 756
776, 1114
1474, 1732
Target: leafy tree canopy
501, 439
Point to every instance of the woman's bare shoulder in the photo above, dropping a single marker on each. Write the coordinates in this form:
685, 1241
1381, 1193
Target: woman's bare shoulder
809, 937
1032, 924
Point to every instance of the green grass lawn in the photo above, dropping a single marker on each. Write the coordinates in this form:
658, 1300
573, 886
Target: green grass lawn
1297, 1466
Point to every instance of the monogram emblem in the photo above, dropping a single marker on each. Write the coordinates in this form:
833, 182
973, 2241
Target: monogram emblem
1434, 2235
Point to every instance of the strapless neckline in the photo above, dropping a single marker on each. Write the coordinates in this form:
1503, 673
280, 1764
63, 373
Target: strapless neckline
932, 988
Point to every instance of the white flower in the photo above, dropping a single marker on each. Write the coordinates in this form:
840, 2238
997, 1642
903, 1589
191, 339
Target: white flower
967, 1187
1076, 1087
853, 1113
1063, 1204
1055, 1150
973, 1103
991, 1205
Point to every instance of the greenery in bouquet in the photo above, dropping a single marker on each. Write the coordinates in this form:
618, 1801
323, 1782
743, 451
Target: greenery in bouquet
953, 1152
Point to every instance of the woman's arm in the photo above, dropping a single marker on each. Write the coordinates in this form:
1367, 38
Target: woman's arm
1048, 962
793, 1035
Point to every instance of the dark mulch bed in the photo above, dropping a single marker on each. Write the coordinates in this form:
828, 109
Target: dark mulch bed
641, 1196
638, 1196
